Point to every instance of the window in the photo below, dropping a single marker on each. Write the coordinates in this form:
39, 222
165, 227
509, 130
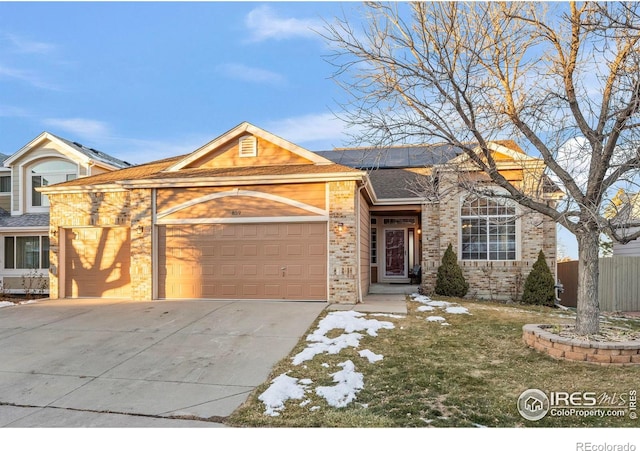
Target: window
248, 146
488, 229
26, 252
374, 245
49, 173
5, 184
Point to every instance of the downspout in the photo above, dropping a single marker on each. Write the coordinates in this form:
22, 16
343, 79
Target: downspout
358, 256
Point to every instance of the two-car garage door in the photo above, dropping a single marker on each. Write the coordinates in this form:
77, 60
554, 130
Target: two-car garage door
243, 261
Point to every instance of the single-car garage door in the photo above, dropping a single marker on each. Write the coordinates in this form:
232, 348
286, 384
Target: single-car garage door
97, 261
243, 261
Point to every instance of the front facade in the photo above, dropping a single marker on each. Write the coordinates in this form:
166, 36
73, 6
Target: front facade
252, 216
24, 211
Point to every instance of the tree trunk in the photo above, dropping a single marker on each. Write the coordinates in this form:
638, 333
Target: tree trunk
587, 321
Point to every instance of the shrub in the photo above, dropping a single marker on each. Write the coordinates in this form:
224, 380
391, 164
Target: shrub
539, 288
450, 281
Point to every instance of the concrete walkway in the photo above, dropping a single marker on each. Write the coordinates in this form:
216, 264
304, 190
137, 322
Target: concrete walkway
109, 363
377, 303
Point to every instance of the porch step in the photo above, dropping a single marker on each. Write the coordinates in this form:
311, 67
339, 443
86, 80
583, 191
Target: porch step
392, 288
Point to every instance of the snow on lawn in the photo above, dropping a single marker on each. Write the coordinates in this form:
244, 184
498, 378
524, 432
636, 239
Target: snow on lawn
430, 305
349, 321
282, 388
348, 381
458, 310
9, 304
435, 319
371, 356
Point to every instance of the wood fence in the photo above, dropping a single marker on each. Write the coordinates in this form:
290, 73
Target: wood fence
618, 284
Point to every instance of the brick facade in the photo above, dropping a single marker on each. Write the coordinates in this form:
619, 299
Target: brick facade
491, 280
133, 209
343, 262
105, 209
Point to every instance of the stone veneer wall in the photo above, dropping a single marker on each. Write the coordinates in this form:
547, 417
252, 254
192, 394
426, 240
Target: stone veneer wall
141, 214
106, 209
491, 280
538, 337
343, 275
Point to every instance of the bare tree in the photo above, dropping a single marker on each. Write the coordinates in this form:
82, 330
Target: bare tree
561, 79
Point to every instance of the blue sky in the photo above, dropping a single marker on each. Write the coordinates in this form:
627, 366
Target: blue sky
144, 81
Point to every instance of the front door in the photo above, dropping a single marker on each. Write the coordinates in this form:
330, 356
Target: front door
395, 246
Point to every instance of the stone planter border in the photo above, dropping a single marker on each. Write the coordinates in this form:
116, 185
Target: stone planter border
540, 338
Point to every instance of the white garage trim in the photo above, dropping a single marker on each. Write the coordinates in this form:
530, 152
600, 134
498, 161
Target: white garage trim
243, 220
248, 193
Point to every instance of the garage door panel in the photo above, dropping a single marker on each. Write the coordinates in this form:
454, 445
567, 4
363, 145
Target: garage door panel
272, 290
244, 261
97, 262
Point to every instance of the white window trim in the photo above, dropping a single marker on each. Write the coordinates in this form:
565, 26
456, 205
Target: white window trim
28, 182
21, 271
518, 239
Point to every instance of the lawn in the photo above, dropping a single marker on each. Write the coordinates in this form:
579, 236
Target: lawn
468, 373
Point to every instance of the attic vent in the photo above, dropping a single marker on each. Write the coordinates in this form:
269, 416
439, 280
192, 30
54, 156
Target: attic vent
248, 146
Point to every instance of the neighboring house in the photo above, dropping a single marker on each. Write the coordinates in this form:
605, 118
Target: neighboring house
24, 212
252, 216
626, 210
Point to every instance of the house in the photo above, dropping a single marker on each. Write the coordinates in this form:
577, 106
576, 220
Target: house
24, 212
253, 216
626, 210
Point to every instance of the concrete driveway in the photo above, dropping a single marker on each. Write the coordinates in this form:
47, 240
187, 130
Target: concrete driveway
63, 362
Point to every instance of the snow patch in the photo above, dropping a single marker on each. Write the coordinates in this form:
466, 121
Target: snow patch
348, 383
32, 301
371, 356
6, 303
435, 319
426, 308
281, 389
326, 345
351, 322
421, 298
457, 310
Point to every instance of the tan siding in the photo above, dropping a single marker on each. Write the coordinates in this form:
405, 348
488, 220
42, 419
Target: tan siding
5, 202
15, 186
268, 154
238, 207
365, 238
313, 194
37, 285
48, 150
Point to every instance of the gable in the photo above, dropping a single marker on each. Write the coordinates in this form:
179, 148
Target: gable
225, 151
49, 145
43, 148
265, 153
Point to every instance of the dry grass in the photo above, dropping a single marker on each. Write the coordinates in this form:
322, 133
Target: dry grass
463, 375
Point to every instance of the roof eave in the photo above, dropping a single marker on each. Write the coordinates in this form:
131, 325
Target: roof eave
243, 180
